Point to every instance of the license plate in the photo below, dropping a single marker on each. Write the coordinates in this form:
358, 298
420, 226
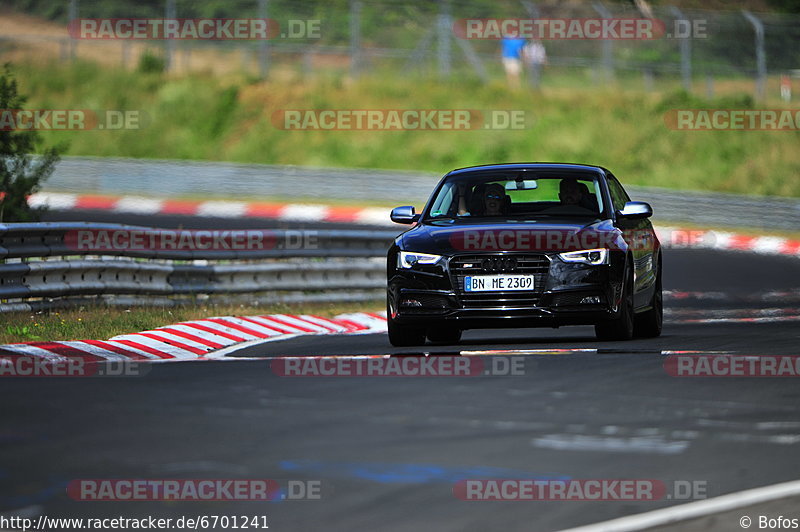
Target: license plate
494, 283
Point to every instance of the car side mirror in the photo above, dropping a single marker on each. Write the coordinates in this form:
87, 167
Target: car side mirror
404, 215
636, 210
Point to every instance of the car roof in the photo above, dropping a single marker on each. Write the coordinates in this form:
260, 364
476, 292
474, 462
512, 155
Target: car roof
529, 166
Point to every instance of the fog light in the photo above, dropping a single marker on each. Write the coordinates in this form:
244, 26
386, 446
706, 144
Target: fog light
410, 303
591, 300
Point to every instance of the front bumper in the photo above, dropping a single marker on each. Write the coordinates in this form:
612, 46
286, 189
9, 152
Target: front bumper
564, 294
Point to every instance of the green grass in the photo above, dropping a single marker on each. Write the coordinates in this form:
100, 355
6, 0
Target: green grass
101, 323
229, 119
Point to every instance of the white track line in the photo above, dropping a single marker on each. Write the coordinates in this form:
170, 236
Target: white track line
221, 354
139, 205
223, 209
694, 510
302, 212
54, 200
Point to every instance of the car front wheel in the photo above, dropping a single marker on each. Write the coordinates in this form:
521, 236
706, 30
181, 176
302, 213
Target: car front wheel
444, 335
621, 326
403, 335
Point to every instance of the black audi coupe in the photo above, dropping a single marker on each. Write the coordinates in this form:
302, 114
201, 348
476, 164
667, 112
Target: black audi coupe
524, 245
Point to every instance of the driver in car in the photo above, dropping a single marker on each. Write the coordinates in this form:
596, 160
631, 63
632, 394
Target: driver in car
573, 193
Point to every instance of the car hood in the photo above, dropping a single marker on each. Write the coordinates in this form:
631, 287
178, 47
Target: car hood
551, 235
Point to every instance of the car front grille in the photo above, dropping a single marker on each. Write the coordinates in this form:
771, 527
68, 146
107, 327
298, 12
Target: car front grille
463, 265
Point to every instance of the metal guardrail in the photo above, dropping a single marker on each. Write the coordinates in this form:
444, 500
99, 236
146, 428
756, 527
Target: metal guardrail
41, 268
48, 239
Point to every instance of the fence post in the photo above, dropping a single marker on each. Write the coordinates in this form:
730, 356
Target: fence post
126, 54
73, 14
535, 77
608, 45
686, 52
169, 48
263, 45
355, 38
421, 52
648, 80
444, 35
761, 58
531, 8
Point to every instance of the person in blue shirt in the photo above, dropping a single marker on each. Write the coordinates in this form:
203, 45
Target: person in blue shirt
512, 58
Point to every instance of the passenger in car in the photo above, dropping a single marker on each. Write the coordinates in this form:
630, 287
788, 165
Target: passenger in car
494, 200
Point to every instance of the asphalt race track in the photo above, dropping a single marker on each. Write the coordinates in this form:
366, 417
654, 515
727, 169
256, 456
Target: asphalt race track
388, 450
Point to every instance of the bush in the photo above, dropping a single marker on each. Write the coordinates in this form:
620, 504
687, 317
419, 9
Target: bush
150, 63
20, 173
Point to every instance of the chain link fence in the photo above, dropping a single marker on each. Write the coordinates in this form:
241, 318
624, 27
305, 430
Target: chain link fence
417, 38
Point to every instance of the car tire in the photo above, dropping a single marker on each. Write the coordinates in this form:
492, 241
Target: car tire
621, 326
444, 335
403, 335
648, 324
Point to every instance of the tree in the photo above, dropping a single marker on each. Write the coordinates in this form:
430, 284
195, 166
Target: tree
21, 173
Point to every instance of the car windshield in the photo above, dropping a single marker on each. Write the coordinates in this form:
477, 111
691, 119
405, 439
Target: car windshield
518, 195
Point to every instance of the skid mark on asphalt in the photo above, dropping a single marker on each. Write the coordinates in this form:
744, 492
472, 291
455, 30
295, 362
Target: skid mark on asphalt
611, 444
384, 473
781, 296
580, 437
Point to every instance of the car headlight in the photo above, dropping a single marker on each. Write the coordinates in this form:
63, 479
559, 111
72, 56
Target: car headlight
408, 259
586, 256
